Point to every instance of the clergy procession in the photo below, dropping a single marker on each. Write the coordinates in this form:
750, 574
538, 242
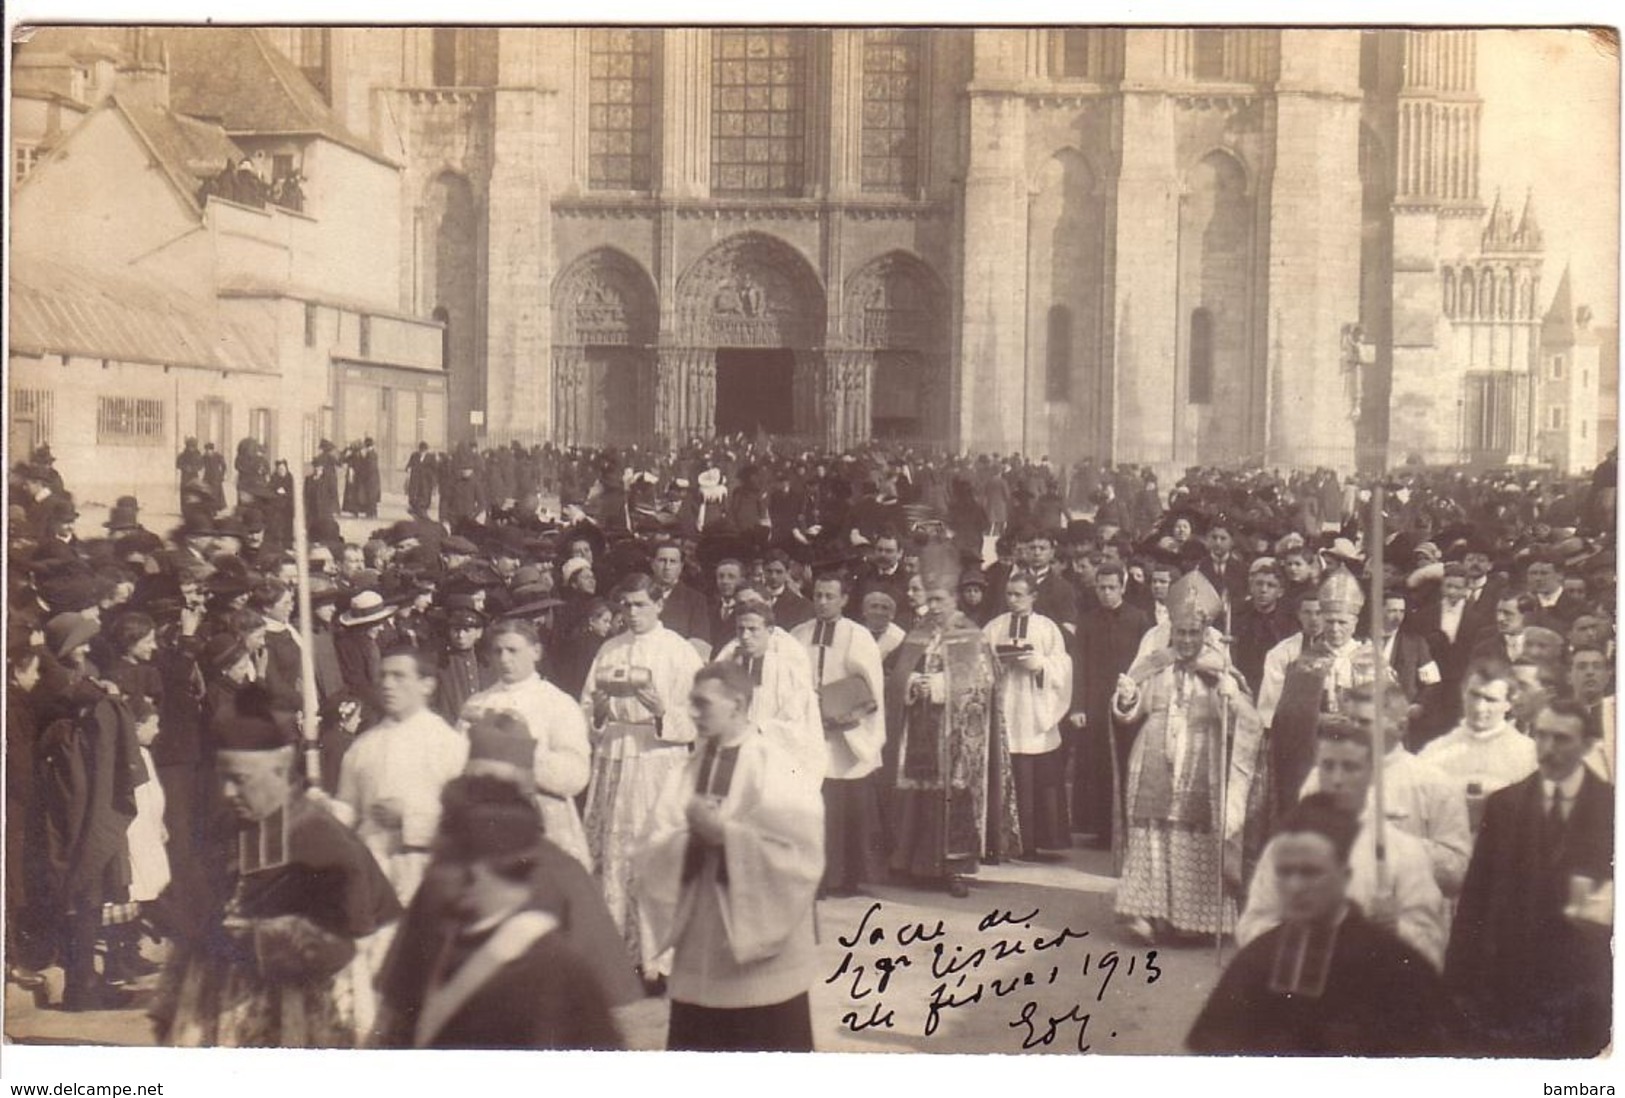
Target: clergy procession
613, 726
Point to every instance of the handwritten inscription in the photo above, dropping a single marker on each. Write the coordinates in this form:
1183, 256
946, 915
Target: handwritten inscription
1052, 980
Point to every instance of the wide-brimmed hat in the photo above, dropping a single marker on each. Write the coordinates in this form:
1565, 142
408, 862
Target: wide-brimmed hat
1343, 549
366, 608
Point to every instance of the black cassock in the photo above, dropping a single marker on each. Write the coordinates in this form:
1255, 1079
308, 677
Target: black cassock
1379, 997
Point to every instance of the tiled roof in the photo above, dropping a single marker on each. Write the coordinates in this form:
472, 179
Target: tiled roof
58, 308
1557, 328
187, 150
236, 75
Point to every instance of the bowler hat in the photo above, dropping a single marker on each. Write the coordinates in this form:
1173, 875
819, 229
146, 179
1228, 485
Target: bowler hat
125, 514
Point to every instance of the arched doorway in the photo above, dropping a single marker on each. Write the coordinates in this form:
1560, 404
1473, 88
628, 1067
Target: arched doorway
892, 378
605, 320
747, 354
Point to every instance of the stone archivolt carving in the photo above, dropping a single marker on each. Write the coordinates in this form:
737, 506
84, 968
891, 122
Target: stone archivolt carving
605, 299
750, 291
893, 302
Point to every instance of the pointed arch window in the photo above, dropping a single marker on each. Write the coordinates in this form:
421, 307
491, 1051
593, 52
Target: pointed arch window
1058, 354
1200, 382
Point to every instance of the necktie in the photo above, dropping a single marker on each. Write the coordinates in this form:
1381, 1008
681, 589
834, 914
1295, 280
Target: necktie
753, 664
1555, 823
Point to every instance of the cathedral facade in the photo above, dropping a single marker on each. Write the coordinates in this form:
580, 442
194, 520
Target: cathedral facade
1172, 246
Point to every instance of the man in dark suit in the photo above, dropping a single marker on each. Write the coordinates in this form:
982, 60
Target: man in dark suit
1556, 608
1443, 623
1108, 638
729, 576
1406, 651
507, 975
1056, 598
884, 570
1222, 567
1504, 640
1483, 588
684, 611
789, 608
1527, 958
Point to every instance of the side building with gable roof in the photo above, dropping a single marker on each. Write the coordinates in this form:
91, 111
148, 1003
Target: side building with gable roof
263, 235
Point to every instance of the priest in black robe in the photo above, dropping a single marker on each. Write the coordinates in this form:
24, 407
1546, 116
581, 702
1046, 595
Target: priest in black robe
269, 958
1327, 981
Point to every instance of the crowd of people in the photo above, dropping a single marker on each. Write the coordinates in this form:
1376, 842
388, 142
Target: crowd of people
244, 185
563, 760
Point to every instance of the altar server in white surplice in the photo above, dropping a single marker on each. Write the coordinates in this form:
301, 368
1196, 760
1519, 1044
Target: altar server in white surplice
555, 722
845, 658
783, 703
1033, 693
726, 875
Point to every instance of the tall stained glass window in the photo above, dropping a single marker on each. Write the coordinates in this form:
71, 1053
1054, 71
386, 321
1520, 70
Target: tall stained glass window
758, 112
620, 124
891, 110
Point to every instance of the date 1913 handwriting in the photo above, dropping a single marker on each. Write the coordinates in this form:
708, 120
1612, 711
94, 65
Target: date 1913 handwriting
1004, 961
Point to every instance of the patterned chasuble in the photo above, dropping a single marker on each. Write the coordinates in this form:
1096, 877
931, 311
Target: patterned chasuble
1178, 786
959, 739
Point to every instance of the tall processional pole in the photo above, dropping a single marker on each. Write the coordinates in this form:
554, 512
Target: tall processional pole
1379, 688
309, 730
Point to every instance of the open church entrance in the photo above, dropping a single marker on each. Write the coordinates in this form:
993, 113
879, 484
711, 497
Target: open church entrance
754, 390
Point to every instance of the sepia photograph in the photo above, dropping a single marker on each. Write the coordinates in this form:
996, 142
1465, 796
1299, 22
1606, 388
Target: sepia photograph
809, 537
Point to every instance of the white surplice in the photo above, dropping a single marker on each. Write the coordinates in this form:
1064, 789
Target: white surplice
741, 926
785, 706
563, 757
633, 756
1033, 702
403, 763
855, 752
